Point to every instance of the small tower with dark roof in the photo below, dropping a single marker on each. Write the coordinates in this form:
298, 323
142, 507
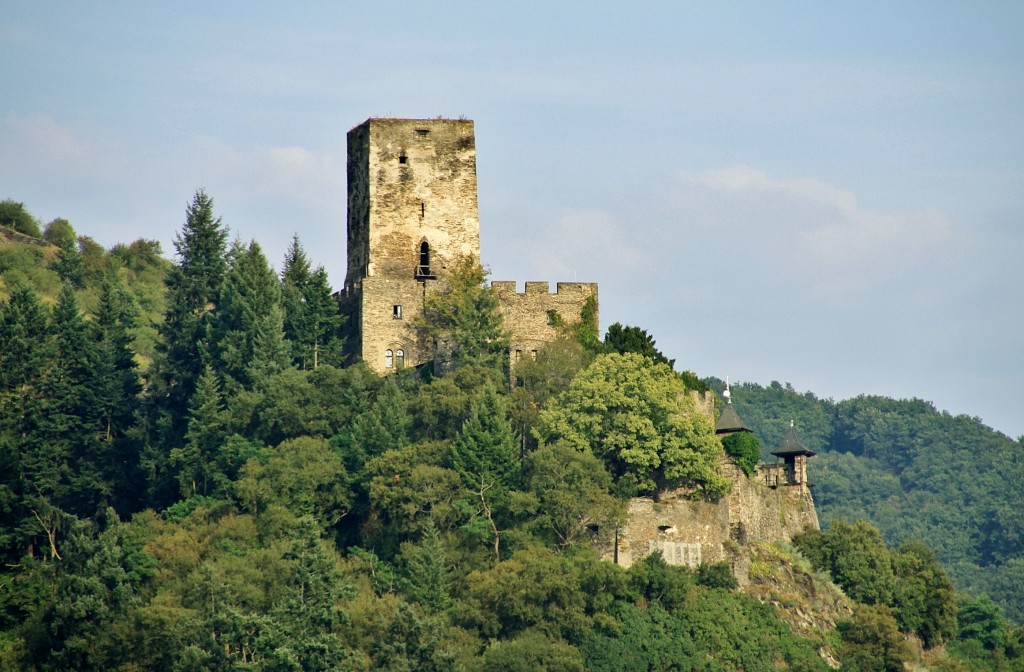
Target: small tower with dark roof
729, 422
794, 453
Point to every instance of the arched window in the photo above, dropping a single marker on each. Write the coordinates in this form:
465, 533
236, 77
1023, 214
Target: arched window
423, 269
389, 359
399, 358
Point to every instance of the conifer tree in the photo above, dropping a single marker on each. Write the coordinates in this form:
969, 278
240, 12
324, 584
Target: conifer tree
485, 455
25, 358
194, 286
196, 461
248, 325
311, 320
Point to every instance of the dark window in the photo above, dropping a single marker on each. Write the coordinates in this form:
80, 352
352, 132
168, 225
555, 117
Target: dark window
403, 158
422, 131
396, 311
423, 269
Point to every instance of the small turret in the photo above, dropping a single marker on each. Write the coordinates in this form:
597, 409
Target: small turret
729, 422
794, 453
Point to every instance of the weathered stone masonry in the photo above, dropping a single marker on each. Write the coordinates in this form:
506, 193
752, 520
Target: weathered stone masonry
412, 211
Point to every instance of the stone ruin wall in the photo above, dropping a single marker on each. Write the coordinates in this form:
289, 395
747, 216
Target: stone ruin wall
690, 532
527, 315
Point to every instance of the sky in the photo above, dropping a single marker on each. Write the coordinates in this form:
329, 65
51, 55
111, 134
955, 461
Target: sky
825, 194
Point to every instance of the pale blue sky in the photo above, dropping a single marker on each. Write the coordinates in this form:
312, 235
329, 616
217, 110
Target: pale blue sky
829, 194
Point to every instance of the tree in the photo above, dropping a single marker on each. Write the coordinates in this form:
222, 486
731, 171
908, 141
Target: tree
68, 264
573, 490
97, 583
247, 330
13, 215
485, 455
302, 476
197, 462
462, 317
855, 556
871, 641
193, 293
183, 351
311, 317
622, 339
924, 599
745, 448
59, 232
636, 416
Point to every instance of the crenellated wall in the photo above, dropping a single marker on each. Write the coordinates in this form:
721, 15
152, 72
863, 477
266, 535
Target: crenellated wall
532, 316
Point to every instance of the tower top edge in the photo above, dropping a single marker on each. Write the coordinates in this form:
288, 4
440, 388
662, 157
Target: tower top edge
398, 121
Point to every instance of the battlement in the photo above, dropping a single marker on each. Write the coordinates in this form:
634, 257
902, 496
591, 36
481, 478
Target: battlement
543, 288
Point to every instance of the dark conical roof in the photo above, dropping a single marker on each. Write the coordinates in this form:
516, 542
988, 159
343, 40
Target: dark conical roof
792, 445
730, 421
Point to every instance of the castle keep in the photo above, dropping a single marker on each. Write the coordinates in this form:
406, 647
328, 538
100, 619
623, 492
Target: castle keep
412, 212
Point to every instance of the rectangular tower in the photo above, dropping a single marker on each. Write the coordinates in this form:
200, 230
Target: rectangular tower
412, 211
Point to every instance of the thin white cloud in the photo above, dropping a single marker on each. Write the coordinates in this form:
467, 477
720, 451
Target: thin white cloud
814, 234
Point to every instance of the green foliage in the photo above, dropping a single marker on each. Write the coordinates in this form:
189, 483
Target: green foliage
532, 651
636, 416
871, 641
59, 232
745, 448
623, 339
311, 318
573, 492
241, 569
462, 317
13, 215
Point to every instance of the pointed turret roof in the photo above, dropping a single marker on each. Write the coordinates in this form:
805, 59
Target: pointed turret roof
793, 445
730, 421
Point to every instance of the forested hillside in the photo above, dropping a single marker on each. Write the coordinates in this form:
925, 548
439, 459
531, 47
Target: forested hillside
915, 473
197, 480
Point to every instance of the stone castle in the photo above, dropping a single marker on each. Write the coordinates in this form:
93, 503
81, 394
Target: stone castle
412, 213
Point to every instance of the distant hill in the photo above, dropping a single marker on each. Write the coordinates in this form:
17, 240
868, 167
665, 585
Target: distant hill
138, 266
912, 471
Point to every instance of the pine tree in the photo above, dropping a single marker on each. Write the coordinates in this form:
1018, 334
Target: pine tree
196, 462
248, 329
312, 319
117, 390
24, 359
485, 454
183, 351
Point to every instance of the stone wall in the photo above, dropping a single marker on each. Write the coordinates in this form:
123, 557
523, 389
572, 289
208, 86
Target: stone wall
693, 531
410, 181
531, 316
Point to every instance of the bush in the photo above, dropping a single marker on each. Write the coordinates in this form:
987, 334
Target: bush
745, 448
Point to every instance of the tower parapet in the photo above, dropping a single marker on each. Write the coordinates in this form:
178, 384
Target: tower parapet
534, 315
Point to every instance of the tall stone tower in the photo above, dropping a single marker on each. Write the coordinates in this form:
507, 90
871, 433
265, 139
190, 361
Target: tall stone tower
412, 211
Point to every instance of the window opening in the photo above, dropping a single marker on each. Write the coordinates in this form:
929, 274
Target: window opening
422, 131
552, 317
389, 359
402, 158
423, 269
396, 311
399, 358
423, 209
